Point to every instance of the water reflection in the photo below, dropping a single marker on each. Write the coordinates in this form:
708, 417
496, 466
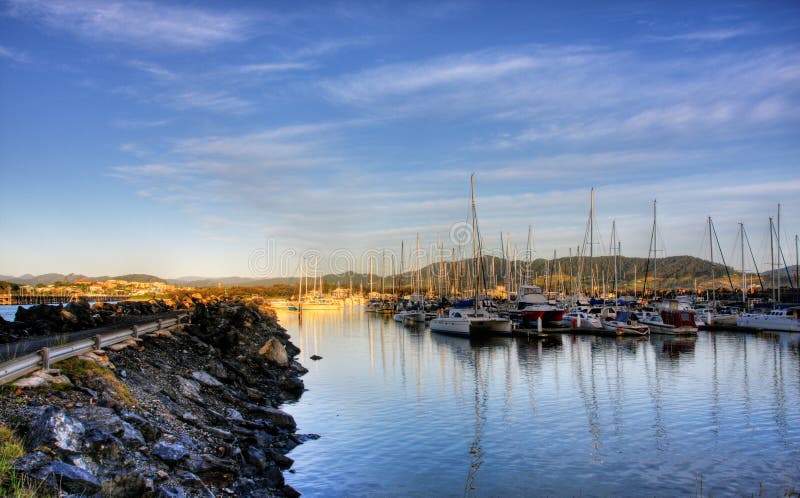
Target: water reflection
563, 415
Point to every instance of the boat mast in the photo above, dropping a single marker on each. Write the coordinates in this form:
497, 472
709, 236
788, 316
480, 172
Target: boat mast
655, 253
711, 252
744, 283
613, 248
474, 241
591, 243
780, 254
772, 256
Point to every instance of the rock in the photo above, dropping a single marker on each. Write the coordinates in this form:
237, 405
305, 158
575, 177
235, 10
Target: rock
125, 485
209, 465
131, 436
307, 437
100, 423
189, 418
256, 457
234, 415
206, 379
190, 389
315, 357
170, 492
148, 430
274, 352
162, 474
293, 385
221, 433
42, 379
171, 453
66, 315
189, 479
32, 462
54, 428
280, 418
290, 492
69, 478
283, 461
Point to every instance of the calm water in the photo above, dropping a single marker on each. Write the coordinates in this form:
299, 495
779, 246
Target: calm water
407, 412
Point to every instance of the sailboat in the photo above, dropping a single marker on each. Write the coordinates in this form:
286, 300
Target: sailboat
477, 320
415, 313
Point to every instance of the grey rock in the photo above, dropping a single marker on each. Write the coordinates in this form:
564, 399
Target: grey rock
315, 357
148, 430
206, 379
69, 478
100, 423
234, 415
282, 461
131, 436
189, 479
209, 464
55, 429
32, 462
170, 452
221, 433
190, 389
279, 417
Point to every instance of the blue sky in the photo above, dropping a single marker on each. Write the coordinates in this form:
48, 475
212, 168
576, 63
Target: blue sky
188, 138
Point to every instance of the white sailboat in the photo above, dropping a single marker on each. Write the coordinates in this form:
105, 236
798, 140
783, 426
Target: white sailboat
477, 320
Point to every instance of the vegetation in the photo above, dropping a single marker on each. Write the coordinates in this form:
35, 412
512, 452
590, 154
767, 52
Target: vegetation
11, 483
96, 377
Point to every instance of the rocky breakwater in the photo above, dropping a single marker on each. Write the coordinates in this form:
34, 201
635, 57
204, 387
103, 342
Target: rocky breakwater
190, 412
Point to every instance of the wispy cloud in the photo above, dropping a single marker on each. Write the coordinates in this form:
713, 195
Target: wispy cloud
14, 55
710, 35
132, 124
141, 23
153, 69
273, 67
214, 101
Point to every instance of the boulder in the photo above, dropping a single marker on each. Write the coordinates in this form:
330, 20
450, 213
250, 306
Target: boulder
57, 430
64, 477
32, 462
125, 485
279, 417
170, 452
274, 352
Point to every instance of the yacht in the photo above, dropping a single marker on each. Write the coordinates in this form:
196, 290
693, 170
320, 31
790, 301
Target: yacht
582, 321
532, 304
312, 302
678, 325
785, 319
625, 323
469, 322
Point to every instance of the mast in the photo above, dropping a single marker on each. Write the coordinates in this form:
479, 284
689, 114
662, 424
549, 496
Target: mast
780, 254
772, 256
613, 248
711, 251
744, 288
591, 243
474, 241
655, 252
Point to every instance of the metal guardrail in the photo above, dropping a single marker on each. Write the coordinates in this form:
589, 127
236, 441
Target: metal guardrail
42, 359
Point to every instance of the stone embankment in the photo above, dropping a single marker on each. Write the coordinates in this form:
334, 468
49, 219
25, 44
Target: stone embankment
189, 412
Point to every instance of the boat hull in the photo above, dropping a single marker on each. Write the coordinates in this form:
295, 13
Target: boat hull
768, 322
620, 329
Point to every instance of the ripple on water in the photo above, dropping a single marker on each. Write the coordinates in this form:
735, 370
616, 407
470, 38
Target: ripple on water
417, 414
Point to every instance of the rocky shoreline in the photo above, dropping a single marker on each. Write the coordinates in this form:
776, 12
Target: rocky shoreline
187, 412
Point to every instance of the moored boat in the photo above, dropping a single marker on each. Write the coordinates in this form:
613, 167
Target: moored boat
625, 323
784, 319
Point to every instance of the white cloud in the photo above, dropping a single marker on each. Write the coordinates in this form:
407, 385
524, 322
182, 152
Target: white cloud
273, 67
153, 69
141, 23
214, 101
14, 55
711, 35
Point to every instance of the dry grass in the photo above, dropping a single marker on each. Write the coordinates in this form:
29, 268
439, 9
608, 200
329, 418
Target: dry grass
95, 377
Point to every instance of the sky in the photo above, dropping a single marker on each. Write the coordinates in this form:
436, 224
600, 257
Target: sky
212, 138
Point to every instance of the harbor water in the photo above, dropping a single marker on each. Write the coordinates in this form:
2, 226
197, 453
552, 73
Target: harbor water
407, 412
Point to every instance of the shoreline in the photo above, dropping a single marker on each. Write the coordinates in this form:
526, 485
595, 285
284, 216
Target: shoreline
190, 412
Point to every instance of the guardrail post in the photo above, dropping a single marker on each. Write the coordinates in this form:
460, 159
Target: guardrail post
159, 324
97, 340
135, 331
45, 353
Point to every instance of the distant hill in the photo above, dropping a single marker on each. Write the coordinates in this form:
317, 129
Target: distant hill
673, 272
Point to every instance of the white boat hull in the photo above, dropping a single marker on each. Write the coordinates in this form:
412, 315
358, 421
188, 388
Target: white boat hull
768, 322
471, 327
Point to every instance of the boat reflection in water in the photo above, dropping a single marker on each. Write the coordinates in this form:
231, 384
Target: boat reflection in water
561, 415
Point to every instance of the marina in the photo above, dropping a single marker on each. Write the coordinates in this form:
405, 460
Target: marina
562, 415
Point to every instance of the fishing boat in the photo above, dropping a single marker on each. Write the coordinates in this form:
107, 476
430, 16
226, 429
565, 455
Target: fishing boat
582, 321
625, 323
477, 320
784, 319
